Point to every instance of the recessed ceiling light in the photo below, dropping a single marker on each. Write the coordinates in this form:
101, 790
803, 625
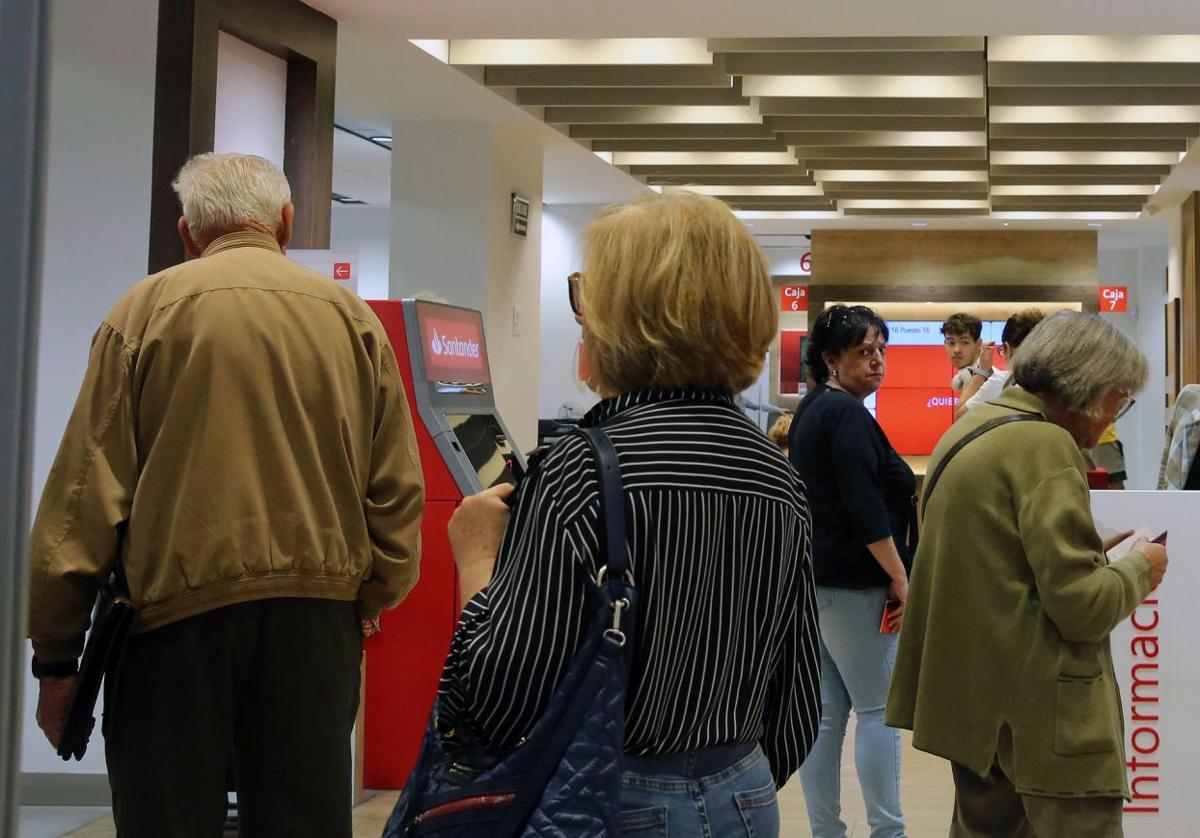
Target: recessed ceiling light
913, 204
705, 158
1005, 223
1084, 158
381, 139
1094, 224
920, 224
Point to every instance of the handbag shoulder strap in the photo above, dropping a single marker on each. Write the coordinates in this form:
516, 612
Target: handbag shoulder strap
612, 533
991, 424
612, 545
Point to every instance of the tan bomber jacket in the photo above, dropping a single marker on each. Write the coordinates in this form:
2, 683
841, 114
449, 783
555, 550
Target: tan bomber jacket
242, 433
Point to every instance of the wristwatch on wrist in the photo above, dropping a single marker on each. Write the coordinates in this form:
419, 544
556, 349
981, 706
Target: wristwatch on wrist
54, 669
980, 371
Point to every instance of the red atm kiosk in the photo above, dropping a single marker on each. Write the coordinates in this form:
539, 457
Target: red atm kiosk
464, 449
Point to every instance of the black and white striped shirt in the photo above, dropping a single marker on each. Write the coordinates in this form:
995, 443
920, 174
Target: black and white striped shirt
720, 541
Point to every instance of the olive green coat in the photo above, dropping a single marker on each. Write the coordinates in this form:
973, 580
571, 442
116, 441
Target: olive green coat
1009, 611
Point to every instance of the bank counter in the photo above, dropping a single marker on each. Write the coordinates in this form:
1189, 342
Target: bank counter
464, 447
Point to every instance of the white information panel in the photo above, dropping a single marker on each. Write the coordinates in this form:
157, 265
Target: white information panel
339, 265
1156, 654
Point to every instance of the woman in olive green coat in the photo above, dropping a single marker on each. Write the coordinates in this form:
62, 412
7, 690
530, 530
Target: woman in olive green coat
1004, 665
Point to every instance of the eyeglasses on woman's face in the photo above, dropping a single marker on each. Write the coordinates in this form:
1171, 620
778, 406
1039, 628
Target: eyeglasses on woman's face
1127, 403
573, 292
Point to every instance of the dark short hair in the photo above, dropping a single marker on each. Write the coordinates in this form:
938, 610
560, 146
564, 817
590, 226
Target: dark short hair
963, 324
1018, 327
837, 329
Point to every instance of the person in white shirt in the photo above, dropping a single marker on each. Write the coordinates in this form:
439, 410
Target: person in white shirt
986, 382
963, 335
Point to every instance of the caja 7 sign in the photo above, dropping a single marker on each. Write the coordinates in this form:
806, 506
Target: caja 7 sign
1114, 298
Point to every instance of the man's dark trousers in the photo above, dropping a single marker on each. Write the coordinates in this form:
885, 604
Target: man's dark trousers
271, 686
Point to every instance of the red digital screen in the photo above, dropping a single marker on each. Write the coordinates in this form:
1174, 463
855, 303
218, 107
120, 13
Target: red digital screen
917, 366
914, 418
915, 406
452, 343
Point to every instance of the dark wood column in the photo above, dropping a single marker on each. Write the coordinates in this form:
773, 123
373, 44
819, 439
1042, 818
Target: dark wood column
1189, 345
185, 105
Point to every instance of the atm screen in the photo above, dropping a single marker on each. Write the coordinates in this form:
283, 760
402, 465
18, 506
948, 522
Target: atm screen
452, 343
482, 439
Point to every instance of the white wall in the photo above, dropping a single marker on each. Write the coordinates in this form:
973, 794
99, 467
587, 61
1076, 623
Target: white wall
514, 300
1142, 429
440, 217
1150, 421
101, 122
562, 230
785, 261
367, 230
451, 235
251, 100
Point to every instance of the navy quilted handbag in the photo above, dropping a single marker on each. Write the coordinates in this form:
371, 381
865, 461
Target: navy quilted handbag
564, 779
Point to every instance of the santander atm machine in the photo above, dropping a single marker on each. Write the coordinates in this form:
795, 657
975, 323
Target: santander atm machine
464, 448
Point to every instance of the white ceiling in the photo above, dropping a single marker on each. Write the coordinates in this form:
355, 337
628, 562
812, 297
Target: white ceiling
361, 169
761, 18
383, 79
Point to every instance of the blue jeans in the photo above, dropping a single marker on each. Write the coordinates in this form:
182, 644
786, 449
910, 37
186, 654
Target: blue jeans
718, 793
856, 672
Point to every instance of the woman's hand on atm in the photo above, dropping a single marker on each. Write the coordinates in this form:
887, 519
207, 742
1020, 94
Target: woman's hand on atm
476, 529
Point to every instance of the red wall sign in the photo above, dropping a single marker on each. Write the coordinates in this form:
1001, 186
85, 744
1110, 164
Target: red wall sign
791, 361
794, 298
1114, 298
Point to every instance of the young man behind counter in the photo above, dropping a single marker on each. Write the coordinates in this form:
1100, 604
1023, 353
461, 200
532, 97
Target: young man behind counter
963, 335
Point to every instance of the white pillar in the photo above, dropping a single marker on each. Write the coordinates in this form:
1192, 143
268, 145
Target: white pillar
452, 236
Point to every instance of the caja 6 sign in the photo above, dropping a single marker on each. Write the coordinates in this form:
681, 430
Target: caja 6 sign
793, 298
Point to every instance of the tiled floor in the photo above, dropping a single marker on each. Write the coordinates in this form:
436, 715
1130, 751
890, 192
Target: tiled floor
927, 797
54, 821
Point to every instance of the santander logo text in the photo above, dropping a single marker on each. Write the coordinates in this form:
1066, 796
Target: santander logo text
453, 347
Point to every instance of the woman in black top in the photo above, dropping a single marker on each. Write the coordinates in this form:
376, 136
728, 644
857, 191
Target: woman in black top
862, 498
677, 312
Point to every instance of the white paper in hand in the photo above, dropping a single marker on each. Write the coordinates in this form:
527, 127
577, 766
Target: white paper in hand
1125, 546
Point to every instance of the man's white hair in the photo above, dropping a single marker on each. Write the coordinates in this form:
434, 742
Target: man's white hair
222, 193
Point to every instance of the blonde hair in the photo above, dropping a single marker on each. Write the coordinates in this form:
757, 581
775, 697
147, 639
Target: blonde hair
675, 294
780, 430
1075, 359
221, 193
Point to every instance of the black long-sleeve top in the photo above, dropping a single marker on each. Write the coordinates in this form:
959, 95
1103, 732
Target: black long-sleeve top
719, 538
859, 488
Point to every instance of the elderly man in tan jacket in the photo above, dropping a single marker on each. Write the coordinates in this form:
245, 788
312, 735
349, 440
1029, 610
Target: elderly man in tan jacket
1004, 665
242, 445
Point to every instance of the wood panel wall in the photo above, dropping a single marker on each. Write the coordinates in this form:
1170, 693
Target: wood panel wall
185, 105
1189, 354
954, 266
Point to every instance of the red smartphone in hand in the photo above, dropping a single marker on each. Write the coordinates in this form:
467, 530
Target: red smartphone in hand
885, 625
